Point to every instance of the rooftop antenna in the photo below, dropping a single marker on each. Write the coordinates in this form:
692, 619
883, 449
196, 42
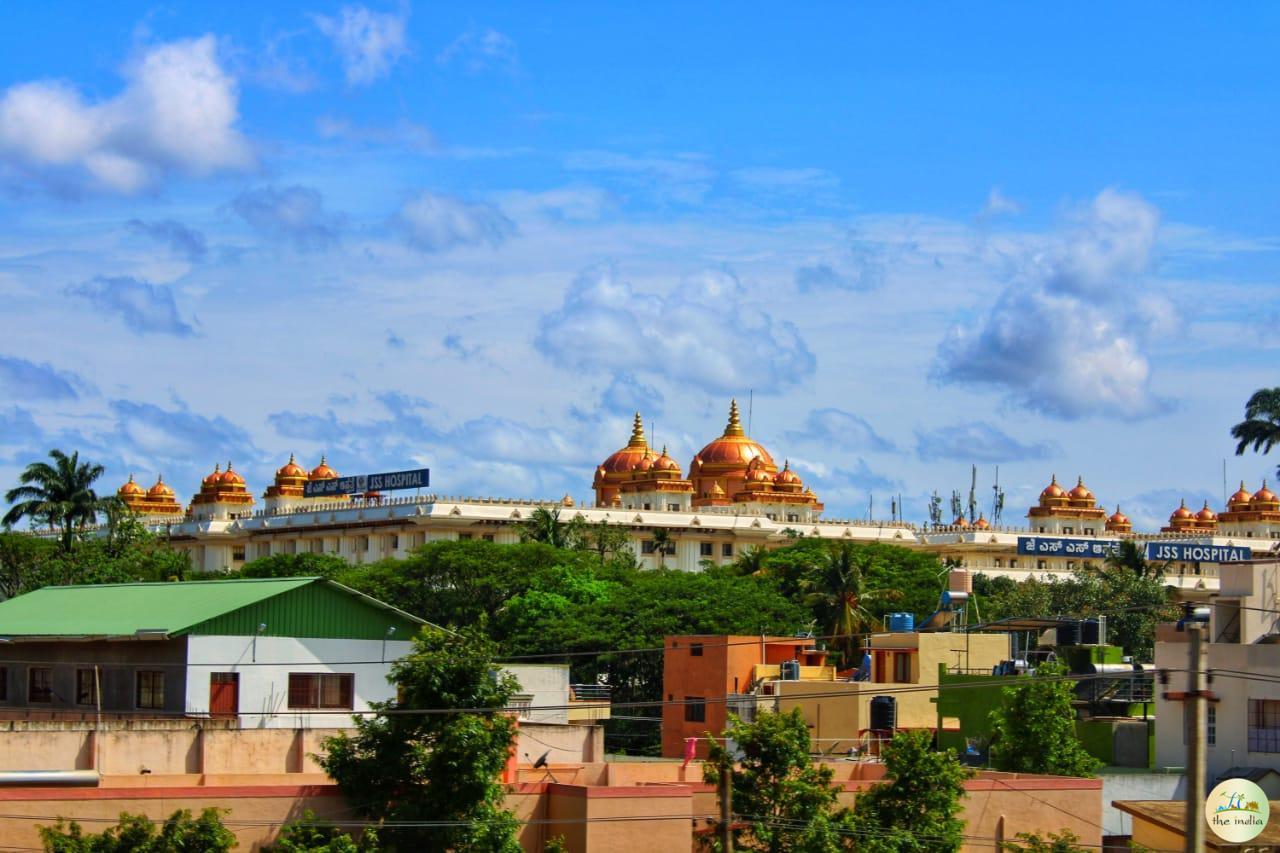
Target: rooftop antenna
751, 405
1224, 481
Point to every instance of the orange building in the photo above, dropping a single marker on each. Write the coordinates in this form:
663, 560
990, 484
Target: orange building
158, 500
731, 470
222, 494
701, 672
1067, 512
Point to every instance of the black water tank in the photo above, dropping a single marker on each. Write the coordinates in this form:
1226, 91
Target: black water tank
1089, 632
884, 713
1069, 634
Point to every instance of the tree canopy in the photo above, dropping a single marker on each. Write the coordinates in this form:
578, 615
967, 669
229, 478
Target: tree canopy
1260, 428
917, 806
786, 802
1034, 730
138, 834
415, 767
58, 495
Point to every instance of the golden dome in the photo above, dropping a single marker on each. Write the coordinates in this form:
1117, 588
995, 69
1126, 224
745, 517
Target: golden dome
1081, 491
1264, 496
230, 477
322, 471
130, 489
716, 491
1240, 500
666, 463
734, 447
1118, 517
1053, 490
160, 489
291, 470
787, 477
757, 474
960, 521
214, 478
629, 457
566, 500
646, 461
1181, 513
1206, 514
982, 523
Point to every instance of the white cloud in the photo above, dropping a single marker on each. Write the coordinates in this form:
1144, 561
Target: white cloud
1067, 336
998, 204
477, 50
434, 223
177, 113
977, 441
369, 43
296, 214
571, 204
703, 332
773, 178
682, 177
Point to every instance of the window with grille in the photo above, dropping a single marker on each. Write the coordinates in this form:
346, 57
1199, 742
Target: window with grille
39, 684
321, 690
86, 687
726, 550
1264, 725
706, 549
695, 709
150, 693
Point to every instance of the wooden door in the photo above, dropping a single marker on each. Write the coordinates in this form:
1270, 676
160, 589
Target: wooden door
224, 694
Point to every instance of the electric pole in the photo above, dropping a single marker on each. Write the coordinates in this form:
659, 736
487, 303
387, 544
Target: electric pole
1196, 736
726, 804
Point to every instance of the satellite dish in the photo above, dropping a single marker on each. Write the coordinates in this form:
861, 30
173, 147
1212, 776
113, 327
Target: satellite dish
542, 760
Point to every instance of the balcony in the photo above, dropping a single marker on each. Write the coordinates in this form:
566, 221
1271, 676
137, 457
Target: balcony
589, 703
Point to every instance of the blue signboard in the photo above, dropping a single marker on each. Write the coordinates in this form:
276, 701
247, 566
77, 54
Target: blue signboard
418, 478
1191, 552
1057, 546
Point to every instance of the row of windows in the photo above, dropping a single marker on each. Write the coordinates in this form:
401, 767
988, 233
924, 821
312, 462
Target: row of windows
148, 684
307, 690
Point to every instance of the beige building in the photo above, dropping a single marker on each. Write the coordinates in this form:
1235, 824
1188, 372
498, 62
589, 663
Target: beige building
1244, 657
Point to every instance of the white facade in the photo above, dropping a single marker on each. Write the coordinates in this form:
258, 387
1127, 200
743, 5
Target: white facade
264, 665
543, 686
1244, 660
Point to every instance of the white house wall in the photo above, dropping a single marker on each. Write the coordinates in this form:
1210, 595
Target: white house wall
264, 665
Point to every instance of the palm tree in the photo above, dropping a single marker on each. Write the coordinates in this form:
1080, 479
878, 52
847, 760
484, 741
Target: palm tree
1261, 425
837, 592
1130, 556
662, 543
751, 561
60, 495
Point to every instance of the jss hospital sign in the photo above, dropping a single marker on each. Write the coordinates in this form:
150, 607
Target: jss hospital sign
1178, 552
418, 478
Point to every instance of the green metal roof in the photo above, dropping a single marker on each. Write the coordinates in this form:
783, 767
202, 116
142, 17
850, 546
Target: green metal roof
298, 607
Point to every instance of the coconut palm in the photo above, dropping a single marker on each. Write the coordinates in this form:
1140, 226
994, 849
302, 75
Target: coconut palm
60, 495
1131, 557
1260, 428
751, 561
662, 545
837, 591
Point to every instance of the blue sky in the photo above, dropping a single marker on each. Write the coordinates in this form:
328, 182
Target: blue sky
477, 238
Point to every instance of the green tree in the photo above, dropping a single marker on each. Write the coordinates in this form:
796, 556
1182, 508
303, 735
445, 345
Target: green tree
752, 561
415, 767
137, 834
1034, 729
1260, 428
917, 808
544, 525
786, 801
1031, 842
1130, 556
26, 563
662, 545
309, 835
839, 595
60, 495
607, 540
296, 565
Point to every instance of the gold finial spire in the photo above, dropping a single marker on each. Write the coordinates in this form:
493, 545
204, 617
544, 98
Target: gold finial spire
734, 427
1079, 480
290, 458
217, 467
323, 459
637, 433
228, 464
159, 479
130, 478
